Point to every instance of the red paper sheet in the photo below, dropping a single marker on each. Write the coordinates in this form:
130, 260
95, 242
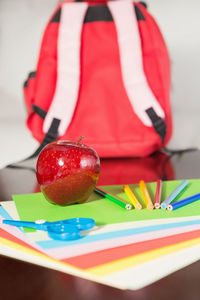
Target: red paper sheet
105, 256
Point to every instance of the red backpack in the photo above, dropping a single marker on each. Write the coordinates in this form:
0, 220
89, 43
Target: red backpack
103, 73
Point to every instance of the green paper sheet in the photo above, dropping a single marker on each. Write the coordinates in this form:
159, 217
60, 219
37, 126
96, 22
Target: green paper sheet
32, 207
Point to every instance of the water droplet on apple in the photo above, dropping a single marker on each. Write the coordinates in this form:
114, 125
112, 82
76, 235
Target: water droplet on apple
61, 162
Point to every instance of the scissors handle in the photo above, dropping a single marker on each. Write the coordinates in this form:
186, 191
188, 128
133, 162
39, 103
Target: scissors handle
63, 232
80, 223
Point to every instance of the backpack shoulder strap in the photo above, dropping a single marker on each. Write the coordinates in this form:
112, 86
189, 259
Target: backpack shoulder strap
68, 66
135, 81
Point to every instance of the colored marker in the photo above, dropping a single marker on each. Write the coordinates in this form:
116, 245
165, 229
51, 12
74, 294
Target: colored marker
132, 197
158, 194
115, 199
174, 194
183, 202
145, 194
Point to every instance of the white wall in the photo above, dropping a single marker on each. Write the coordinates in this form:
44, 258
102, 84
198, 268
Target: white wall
21, 26
180, 24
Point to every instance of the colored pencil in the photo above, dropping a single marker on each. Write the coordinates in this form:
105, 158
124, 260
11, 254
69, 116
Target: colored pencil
132, 197
183, 202
174, 194
146, 195
114, 199
158, 194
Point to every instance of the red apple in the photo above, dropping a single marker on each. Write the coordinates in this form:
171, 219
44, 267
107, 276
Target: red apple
67, 172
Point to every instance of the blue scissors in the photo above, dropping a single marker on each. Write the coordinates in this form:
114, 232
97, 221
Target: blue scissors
69, 229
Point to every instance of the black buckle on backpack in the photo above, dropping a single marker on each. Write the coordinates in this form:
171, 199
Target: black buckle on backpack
39, 111
49, 137
52, 133
157, 122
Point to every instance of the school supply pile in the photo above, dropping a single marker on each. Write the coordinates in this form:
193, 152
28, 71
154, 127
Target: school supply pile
127, 248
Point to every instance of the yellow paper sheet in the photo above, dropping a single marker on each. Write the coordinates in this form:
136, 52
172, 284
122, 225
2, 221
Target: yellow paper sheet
131, 261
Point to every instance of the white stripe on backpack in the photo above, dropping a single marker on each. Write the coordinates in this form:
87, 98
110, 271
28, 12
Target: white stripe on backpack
135, 82
68, 66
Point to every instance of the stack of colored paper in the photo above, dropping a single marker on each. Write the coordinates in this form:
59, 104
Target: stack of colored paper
126, 249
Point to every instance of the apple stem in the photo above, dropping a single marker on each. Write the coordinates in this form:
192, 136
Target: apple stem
80, 139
